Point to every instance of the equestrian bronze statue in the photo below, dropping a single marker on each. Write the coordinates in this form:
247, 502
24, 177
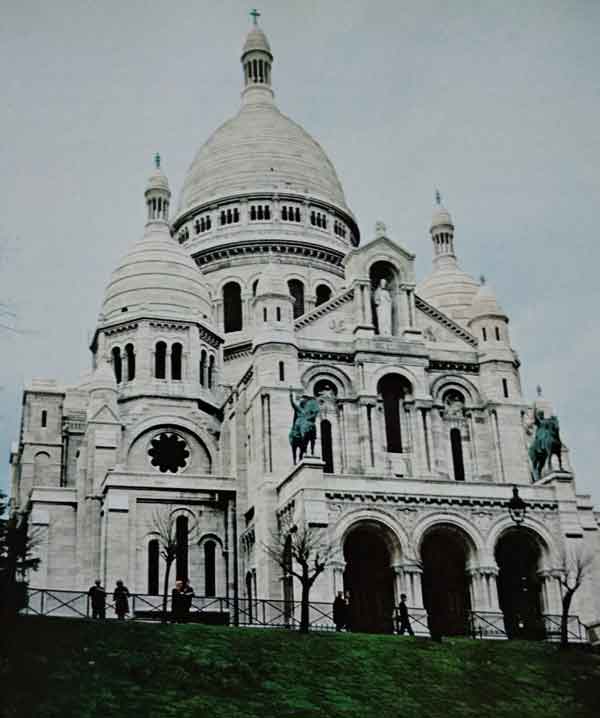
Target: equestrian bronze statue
304, 426
546, 443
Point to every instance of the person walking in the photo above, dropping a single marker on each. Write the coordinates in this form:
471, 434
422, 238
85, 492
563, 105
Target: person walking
121, 600
97, 595
177, 601
403, 617
340, 612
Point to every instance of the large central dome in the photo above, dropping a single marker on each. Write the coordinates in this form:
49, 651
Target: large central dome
260, 149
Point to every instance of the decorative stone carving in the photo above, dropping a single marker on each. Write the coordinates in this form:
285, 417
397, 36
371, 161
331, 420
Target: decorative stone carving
383, 308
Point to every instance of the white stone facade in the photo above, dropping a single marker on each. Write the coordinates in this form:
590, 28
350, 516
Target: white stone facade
421, 434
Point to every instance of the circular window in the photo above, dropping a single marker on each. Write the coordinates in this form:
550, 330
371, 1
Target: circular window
168, 452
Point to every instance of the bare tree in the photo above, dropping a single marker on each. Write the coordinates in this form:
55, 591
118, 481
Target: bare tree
304, 552
572, 572
163, 526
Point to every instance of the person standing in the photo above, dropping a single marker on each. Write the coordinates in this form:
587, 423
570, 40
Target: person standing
403, 617
340, 616
348, 603
177, 602
121, 600
97, 595
187, 595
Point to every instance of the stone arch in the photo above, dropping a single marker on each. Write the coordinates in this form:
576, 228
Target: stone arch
549, 551
451, 381
394, 534
338, 378
202, 446
210, 536
41, 467
418, 389
475, 540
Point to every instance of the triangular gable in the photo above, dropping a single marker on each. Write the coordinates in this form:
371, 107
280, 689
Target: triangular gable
437, 327
334, 319
105, 415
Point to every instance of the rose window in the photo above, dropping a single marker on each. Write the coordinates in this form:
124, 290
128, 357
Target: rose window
168, 452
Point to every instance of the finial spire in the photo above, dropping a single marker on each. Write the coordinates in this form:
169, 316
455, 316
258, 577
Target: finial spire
538, 390
254, 14
438, 197
157, 160
482, 279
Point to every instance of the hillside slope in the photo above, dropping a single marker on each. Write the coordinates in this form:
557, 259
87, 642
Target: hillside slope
62, 667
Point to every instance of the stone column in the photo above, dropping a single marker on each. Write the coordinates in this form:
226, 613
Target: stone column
337, 572
473, 442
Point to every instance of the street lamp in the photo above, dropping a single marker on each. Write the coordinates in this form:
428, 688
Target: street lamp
517, 508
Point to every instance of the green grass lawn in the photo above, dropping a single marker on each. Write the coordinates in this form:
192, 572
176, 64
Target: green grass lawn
63, 667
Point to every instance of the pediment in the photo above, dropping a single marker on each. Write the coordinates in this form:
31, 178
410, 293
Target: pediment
104, 415
438, 328
332, 320
358, 261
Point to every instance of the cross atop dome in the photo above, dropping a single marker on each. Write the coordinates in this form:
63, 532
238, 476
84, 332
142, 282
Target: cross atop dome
157, 160
256, 61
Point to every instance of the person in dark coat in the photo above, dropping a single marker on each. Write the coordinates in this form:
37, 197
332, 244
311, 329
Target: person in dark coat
187, 594
340, 613
347, 600
97, 594
177, 602
121, 600
403, 618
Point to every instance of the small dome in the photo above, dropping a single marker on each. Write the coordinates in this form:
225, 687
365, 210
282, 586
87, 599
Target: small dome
256, 40
451, 290
157, 278
271, 281
485, 303
157, 180
441, 217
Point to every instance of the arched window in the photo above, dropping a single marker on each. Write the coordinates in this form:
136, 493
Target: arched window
160, 360
252, 212
281, 371
284, 213
323, 294
497, 334
210, 584
153, 556
264, 314
278, 313
297, 212
41, 468
182, 549
267, 212
297, 291
392, 389
130, 355
484, 334
211, 371
505, 388
176, 350
254, 287
236, 215
326, 446
117, 364
457, 455
202, 367
44, 418
232, 307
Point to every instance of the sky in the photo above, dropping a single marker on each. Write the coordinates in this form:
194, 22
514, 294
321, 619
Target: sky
496, 104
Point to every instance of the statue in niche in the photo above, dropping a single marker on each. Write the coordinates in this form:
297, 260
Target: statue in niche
304, 425
382, 299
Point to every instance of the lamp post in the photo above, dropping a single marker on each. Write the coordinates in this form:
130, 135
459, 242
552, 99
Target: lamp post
517, 508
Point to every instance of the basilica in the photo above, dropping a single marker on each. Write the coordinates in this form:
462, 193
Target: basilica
259, 287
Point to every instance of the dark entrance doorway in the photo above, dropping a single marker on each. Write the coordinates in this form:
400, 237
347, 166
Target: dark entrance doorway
369, 579
518, 555
445, 582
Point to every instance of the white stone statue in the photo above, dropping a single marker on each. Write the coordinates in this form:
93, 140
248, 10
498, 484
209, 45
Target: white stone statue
383, 306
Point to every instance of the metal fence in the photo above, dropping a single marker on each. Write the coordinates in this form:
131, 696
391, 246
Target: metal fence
275, 613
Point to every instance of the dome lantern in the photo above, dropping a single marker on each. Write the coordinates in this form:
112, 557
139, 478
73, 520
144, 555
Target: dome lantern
257, 61
442, 234
157, 194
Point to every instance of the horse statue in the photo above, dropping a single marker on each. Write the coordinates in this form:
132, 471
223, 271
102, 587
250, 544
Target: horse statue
304, 426
545, 445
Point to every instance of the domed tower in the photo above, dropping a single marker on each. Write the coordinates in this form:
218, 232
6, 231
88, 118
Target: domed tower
499, 363
447, 287
155, 324
262, 186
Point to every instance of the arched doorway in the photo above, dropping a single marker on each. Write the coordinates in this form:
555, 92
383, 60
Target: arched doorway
444, 554
518, 554
369, 579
